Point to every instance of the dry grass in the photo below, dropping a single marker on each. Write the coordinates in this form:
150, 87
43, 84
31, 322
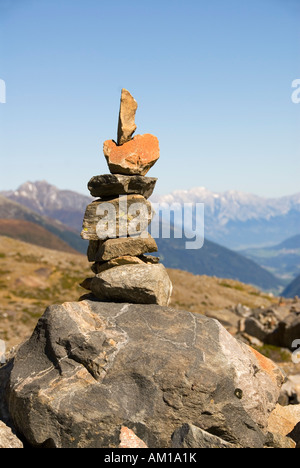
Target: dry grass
205, 294
32, 278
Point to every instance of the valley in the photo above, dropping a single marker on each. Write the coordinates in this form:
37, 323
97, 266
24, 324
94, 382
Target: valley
32, 278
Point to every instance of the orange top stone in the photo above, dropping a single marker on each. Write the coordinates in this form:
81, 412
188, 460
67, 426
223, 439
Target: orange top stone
135, 157
128, 439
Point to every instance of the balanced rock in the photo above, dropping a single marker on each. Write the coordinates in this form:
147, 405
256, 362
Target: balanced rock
116, 224
137, 284
136, 157
111, 185
126, 126
91, 368
133, 246
122, 216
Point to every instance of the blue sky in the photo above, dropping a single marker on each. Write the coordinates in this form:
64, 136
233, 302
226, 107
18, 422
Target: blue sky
212, 79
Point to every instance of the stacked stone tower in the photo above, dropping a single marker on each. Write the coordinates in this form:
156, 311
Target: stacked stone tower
116, 223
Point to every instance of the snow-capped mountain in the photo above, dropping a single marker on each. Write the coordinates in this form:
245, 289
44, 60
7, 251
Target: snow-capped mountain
233, 205
236, 219
233, 219
47, 200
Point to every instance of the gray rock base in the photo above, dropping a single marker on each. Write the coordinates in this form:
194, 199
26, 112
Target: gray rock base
91, 368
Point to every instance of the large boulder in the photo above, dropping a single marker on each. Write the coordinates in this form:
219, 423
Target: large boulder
273, 326
91, 369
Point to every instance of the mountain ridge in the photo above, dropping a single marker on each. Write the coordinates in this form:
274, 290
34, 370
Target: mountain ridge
234, 219
212, 259
12, 210
238, 220
45, 199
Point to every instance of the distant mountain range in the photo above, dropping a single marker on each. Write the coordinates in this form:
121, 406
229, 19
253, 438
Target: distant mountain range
238, 220
234, 219
47, 200
231, 219
283, 260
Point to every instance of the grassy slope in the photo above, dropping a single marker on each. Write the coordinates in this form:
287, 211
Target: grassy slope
34, 234
32, 278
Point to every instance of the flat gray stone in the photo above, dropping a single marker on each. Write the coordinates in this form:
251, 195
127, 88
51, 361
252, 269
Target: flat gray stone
112, 185
133, 246
115, 262
117, 217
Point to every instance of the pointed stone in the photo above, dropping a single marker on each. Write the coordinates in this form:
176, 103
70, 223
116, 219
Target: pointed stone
126, 127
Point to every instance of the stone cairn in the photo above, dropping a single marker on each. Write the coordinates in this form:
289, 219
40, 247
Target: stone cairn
116, 223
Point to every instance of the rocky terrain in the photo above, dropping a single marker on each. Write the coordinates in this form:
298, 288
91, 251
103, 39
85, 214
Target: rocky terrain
91, 368
33, 278
94, 373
